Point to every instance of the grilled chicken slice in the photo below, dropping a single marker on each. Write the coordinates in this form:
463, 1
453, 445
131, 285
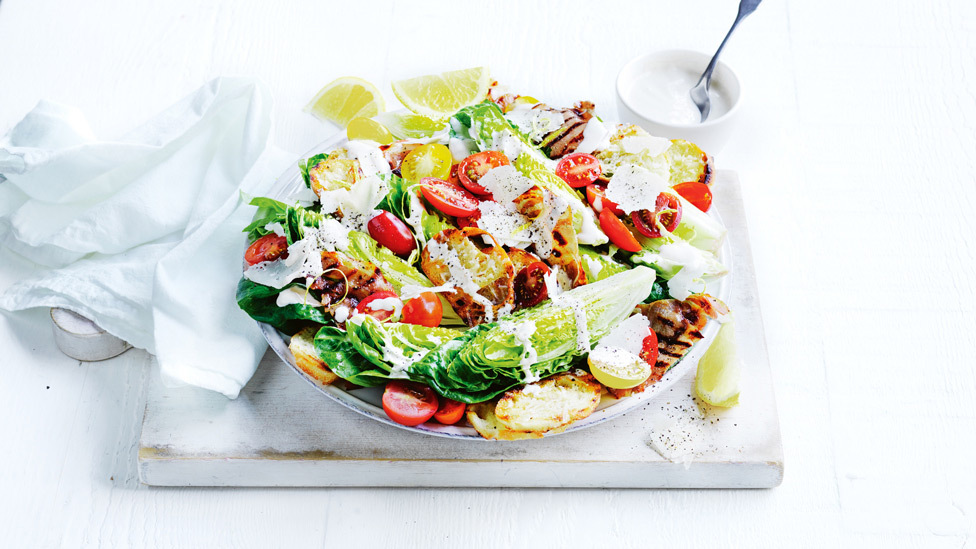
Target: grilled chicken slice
564, 253
571, 134
483, 276
678, 326
347, 281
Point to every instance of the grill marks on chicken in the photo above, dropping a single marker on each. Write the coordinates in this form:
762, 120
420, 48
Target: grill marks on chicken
678, 325
571, 133
347, 281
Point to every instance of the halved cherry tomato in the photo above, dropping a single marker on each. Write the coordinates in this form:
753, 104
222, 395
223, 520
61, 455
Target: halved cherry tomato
448, 198
530, 286
579, 169
699, 194
618, 233
267, 248
474, 167
649, 349
388, 230
596, 195
450, 411
423, 310
408, 402
667, 214
463, 222
379, 314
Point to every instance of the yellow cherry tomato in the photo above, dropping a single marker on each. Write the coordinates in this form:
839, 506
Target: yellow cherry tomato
432, 160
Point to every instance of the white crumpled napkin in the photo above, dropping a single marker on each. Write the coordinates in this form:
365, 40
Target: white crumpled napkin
143, 235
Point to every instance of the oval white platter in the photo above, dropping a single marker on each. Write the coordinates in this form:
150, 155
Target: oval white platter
367, 400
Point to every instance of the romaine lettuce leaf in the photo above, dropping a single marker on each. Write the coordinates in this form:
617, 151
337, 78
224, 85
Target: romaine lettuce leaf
260, 303
485, 361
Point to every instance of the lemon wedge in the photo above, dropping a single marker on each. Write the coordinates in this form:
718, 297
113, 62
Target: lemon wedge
438, 96
344, 99
717, 380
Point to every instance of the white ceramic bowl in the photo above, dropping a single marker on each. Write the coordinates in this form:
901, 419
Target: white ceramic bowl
710, 135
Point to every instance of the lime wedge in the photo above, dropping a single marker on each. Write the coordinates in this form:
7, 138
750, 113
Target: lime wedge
438, 96
717, 380
344, 99
409, 125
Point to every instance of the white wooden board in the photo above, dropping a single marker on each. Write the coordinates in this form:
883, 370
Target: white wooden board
282, 432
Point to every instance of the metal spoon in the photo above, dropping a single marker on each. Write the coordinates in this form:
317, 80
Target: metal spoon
699, 94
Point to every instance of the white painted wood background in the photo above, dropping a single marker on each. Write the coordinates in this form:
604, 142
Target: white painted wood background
857, 154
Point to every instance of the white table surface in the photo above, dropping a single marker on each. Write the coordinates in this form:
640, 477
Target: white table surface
857, 152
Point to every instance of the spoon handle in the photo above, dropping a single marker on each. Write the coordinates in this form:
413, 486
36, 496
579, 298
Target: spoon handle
746, 7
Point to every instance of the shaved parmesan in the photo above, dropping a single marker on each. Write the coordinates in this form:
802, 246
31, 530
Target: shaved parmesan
633, 188
645, 144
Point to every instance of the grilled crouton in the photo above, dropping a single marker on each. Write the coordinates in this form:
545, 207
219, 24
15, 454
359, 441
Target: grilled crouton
549, 404
335, 172
483, 276
481, 416
302, 346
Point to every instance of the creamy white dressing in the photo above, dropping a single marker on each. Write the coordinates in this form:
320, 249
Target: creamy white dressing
590, 232
596, 137
392, 304
507, 144
579, 312
369, 155
663, 94
341, 314
410, 291
296, 296
690, 279
459, 276
523, 332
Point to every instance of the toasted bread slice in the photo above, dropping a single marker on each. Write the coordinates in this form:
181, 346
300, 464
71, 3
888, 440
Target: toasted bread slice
335, 172
550, 404
481, 416
302, 346
460, 257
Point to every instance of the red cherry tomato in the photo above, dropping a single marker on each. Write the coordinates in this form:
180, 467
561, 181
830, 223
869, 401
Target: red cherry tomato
649, 349
617, 232
474, 167
448, 198
389, 231
267, 248
449, 412
530, 286
596, 195
699, 194
423, 310
579, 169
667, 214
408, 402
379, 314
